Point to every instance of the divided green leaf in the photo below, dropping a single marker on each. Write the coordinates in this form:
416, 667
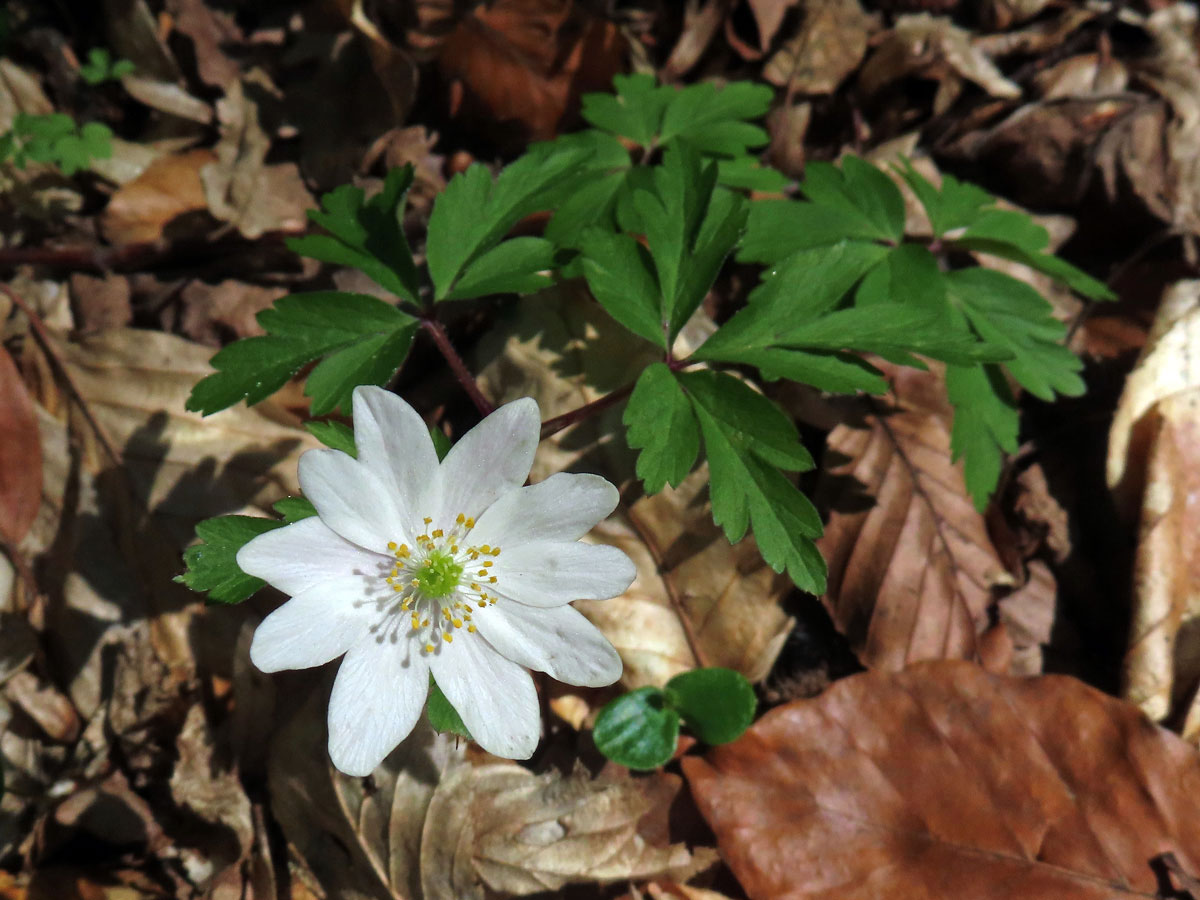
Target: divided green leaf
747, 440
362, 340
661, 424
473, 214
334, 435
366, 234
293, 509
212, 565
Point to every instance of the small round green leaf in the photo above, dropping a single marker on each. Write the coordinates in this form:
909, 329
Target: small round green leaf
716, 704
638, 729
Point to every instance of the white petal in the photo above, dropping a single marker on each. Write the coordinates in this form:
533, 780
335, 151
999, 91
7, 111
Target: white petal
559, 641
351, 500
551, 573
304, 554
490, 460
394, 443
495, 696
312, 628
377, 698
564, 507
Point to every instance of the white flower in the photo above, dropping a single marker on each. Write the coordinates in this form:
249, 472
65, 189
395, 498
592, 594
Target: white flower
412, 567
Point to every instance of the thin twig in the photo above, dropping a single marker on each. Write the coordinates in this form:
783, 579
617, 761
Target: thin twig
46, 342
567, 419
442, 340
689, 633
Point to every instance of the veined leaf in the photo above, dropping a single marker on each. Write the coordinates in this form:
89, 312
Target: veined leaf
366, 234
985, 426
621, 275
662, 425
473, 213
212, 564
363, 339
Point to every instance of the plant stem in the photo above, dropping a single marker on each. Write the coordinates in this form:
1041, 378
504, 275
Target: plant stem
567, 419
442, 341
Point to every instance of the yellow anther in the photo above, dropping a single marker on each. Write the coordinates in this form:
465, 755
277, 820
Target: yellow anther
485, 549
482, 604
492, 601
471, 628
458, 623
428, 519
391, 545
437, 532
460, 518
429, 648
470, 523
397, 588
416, 582
492, 580
449, 637
403, 551
424, 538
481, 572
428, 562
475, 587
454, 548
495, 551
487, 564
425, 623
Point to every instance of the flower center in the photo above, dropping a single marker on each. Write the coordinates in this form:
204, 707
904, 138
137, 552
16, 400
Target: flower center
441, 574
440, 583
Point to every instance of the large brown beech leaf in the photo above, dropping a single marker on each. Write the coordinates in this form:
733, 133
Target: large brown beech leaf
943, 781
911, 566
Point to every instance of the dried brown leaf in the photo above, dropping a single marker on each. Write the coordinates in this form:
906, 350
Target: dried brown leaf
170, 187
829, 44
513, 831
20, 454
911, 566
1152, 466
239, 187
945, 782
523, 64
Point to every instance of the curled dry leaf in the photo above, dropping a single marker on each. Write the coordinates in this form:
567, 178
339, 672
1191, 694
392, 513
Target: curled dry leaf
523, 64
941, 779
1153, 463
565, 351
239, 187
503, 827
20, 454
768, 16
911, 566
168, 188
829, 44
932, 47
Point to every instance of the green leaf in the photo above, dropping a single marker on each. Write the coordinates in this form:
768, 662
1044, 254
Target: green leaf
861, 194
441, 443
1011, 314
955, 205
985, 426
512, 267
293, 509
1076, 279
776, 229
747, 440
335, 435
101, 67
621, 275
366, 234
748, 174
442, 714
661, 424
212, 565
797, 291
473, 214
635, 111
717, 705
363, 339
712, 119
839, 373
639, 729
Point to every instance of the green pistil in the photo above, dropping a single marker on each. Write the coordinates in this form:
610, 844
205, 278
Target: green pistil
440, 575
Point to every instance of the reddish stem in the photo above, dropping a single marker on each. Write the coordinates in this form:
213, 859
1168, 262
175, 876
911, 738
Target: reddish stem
442, 341
567, 419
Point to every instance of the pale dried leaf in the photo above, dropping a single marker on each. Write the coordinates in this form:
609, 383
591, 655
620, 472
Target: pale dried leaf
168, 188
513, 831
911, 566
942, 781
20, 454
829, 44
239, 187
